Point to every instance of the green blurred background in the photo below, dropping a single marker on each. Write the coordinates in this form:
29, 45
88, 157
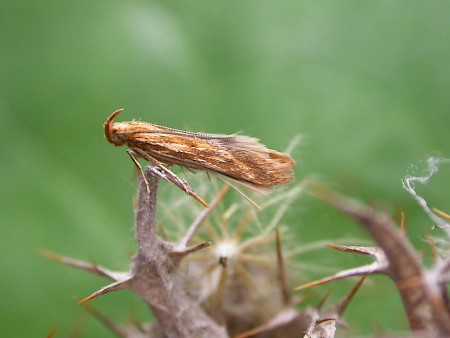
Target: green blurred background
366, 83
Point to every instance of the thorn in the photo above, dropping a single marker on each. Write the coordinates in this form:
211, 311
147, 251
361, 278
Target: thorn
313, 284
107, 289
198, 199
193, 248
87, 299
108, 323
441, 213
52, 255
324, 299
82, 265
360, 250
403, 222
380, 265
52, 331
363, 270
324, 320
281, 270
342, 305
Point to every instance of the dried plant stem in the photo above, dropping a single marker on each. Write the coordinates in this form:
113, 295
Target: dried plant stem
423, 296
154, 275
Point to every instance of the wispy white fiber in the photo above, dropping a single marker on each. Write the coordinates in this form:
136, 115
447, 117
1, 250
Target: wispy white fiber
409, 183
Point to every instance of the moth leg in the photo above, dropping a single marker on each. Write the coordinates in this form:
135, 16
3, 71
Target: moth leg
169, 176
132, 154
189, 169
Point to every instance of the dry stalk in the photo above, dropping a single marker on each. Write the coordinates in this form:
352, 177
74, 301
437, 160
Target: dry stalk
423, 291
154, 276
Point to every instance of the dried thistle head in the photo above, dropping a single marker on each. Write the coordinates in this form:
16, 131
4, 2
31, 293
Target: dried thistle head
237, 278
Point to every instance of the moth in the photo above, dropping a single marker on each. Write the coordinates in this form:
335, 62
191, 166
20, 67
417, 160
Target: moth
241, 158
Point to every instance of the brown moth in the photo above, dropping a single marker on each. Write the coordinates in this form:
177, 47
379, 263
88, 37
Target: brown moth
239, 157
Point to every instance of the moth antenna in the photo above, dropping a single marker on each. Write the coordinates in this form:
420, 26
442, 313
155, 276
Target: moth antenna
107, 126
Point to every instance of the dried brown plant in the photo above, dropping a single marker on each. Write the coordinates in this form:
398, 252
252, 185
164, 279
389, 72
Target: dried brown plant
218, 280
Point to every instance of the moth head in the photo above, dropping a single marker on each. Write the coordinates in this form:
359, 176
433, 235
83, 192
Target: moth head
111, 133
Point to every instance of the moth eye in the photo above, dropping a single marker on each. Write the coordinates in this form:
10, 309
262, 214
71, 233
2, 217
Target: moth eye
117, 138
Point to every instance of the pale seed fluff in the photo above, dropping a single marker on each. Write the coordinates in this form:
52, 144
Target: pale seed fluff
236, 279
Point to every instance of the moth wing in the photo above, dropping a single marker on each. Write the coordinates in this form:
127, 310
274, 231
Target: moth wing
239, 157
258, 165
